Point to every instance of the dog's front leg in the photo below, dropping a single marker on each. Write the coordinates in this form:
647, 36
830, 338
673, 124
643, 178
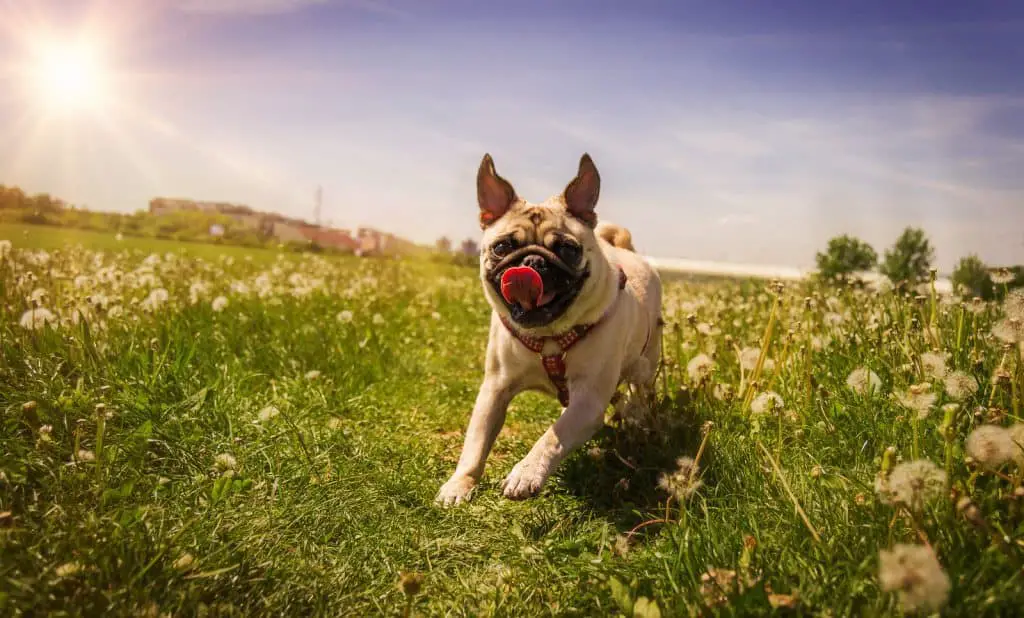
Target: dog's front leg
488, 416
577, 424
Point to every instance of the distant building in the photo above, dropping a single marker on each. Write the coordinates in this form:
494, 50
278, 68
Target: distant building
366, 241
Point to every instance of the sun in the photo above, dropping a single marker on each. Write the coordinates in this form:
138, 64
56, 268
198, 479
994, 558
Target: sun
69, 75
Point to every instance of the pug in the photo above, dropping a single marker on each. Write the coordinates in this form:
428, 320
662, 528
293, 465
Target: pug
576, 313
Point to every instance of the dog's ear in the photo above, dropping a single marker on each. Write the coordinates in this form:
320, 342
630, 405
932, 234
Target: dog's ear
494, 194
581, 194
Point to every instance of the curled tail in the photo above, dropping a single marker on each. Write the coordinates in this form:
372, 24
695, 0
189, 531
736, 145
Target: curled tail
615, 235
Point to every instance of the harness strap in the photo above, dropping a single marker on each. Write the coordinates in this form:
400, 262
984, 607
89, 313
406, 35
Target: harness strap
554, 364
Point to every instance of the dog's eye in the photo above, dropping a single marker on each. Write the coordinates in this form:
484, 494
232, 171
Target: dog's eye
502, 248
569, 252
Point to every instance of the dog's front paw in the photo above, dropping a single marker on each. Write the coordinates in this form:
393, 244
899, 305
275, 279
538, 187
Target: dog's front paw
524, 481
457, 490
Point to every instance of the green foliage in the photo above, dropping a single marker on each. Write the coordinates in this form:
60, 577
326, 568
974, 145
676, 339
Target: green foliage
280, 455
845, 256
971, 278
909, 259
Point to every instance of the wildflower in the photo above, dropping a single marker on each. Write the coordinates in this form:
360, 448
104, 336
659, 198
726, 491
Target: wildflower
225, 461
197, 290
991, 446
184, 562
1016, 432
914, 572
345, 316
1002, 276
914, 483
699, 367
219, 304
410, 583
918, 398
312, 375
1010, 330
621, 545
934, 365
38, 318
768, 402
378, 319
960, 385
5, 248
119, 237
85, 456
1013, 306
267, 413
748, 358
704, 328
69, 569
157, 297
435, 316
863, 381
717, 585
45, 432
682, 483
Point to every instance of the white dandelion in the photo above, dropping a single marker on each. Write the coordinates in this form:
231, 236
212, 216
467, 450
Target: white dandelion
991, 446
219, 304
915, 574
864, 381
37, 318
699, 367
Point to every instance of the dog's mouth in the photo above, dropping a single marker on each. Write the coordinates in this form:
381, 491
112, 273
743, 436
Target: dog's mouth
536, 285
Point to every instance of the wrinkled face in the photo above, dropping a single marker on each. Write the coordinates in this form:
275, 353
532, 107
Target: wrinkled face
535, 265
535, 256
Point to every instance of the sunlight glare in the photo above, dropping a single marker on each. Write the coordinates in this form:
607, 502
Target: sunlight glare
69, 76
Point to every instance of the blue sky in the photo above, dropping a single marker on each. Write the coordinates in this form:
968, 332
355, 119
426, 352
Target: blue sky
735, 131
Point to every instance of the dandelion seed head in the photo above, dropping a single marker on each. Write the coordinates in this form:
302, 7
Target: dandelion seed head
38, 318
768, 402
699, 367
225, 461
918, 398
915, 483
69, 569
864, 381
934, 365
960, 385
915, 574
267, 413
219, 304
684, 481
990, 446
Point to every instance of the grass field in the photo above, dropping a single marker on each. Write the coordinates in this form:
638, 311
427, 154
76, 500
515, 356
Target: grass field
226, 432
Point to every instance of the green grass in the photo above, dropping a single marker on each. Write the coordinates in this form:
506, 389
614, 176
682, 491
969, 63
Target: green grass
332, 497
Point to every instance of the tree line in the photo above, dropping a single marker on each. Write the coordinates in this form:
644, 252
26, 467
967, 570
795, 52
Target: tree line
909, 262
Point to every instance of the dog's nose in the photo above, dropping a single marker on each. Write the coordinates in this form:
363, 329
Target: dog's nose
535, 262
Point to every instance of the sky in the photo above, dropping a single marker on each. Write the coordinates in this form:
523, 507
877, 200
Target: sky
723, 130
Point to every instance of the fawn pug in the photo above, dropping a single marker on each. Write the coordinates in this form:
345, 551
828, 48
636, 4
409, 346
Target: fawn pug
575, 313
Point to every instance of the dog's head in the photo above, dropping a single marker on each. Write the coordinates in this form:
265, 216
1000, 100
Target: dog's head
536, 260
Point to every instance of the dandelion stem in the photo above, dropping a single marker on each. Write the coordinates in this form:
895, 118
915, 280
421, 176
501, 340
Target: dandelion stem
765, 342
789, 491
959, 332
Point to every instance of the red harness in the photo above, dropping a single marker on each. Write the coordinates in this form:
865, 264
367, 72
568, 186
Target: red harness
554, 364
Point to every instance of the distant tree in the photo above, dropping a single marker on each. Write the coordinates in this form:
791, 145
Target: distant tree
844, 256
444, 244
971, 278
469, 247
909, 260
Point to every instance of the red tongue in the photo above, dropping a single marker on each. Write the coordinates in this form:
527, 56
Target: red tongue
522, 285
